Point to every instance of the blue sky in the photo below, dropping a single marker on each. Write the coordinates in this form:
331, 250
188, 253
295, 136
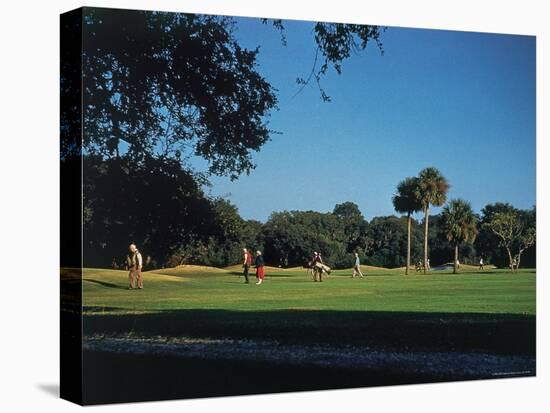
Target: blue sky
462, 102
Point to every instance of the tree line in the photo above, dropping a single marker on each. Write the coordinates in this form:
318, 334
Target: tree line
166, 212
500, 225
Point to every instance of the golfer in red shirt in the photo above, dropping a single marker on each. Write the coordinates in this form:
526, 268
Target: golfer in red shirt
260, 271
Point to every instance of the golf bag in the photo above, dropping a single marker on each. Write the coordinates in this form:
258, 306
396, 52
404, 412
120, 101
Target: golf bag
322, 267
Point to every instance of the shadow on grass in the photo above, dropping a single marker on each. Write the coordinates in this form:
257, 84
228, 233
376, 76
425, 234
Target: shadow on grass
100, 309
252, 274
124, 377
105, 284
495, 333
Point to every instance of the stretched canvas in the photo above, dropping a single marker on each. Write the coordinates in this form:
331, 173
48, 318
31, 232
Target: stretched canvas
259, 205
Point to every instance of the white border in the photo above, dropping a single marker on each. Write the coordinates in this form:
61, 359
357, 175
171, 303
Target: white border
29, 204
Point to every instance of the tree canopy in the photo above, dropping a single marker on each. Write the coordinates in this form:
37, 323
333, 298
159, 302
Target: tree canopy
180, 85
459, 225
459, 221
153, 203
175, 85
407, 198
432, 187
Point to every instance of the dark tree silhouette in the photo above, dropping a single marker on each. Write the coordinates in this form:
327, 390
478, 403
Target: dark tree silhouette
355, 225
180, 85
174, 85
335, 43
387, 238
153, 203
290, 237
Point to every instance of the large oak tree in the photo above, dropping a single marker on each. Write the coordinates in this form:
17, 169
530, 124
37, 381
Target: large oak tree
158, 90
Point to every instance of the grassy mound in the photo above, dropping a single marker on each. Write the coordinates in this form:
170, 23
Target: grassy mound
120, 277
234, 268
187, 270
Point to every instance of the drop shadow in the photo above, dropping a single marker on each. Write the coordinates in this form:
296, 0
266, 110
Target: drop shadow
51, 389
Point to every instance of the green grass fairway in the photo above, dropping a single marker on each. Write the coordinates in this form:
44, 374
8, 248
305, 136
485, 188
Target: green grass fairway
491, 311
490, 291
198, 332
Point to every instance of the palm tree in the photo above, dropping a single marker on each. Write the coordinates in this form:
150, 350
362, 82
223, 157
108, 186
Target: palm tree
459, 224
432, 190
406, 201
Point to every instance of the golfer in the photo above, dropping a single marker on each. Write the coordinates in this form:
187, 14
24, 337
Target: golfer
320, 258
317, 259
480, 263
135, 263
260, 271
357, 266
247, 262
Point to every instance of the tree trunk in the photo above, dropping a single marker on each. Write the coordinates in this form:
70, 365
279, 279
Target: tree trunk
510, 259
426, 212
409, 219
455, 267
